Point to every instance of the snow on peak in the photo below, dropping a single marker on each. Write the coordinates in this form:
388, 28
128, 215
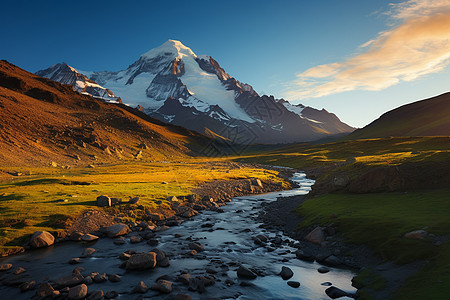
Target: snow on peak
171, 47
204, 57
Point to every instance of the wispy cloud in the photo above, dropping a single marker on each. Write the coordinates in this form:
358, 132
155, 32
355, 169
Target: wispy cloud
418, 44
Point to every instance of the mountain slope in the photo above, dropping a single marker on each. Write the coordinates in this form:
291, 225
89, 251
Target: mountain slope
42, 121
429, 117
173, 84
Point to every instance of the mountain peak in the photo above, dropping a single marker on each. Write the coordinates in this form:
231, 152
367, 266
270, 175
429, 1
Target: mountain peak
170, 47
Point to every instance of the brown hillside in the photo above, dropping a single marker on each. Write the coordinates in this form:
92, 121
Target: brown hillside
42, 121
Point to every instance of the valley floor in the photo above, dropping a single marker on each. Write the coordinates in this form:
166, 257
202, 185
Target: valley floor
50, 199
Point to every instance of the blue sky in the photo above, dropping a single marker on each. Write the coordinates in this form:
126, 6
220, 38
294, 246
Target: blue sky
265, 43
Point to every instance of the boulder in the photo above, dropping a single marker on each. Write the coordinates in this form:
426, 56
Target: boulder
141, 261
5, 267
114, 278
184, 278
323, 270
305, 255
316, 236
119, 241
141, 288
88, 252
245, 273
116, 230
164, 263
116, 201
26, 286
416, 234
334, 293
257, 182
340, 181
69, 280
294, 284
286, 273
134, 200
78, 292
332, 261
74, 261
172, 199
89, 237
135, 239
160, 255
188, 212
95, 295
103, 201
44, 290
196, 246
164, 286
76, 236
41, 239
99, 278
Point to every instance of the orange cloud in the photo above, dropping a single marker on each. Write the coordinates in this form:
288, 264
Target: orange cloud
420, 45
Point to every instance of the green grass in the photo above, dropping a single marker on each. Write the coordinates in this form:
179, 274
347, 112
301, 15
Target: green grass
50, 197
382, 151
380, 220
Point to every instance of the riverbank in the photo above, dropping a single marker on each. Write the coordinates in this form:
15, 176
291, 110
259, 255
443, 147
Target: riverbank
216, 254
51, 199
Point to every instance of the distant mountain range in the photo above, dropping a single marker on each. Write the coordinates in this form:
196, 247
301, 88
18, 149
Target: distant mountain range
429, 117
173, 84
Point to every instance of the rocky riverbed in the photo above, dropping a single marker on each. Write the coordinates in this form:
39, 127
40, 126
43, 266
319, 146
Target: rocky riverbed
225, 254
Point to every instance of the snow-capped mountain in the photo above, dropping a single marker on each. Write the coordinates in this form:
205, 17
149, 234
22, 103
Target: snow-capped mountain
175, 85
65, 74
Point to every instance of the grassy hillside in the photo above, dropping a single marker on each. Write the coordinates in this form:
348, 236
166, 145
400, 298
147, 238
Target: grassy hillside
366, 152
429, 117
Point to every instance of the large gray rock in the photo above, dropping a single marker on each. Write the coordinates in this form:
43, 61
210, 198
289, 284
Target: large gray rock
334, 292
103, 201
316, 236
332, 261
196, 246
340, 181
245, 273
305, 254
116, 230
69, 280
160, 255
95, 295
44, 290
88, 237
286, 273
141, 261
88, 252
141, 288
41, 239
78, 292
164, 286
